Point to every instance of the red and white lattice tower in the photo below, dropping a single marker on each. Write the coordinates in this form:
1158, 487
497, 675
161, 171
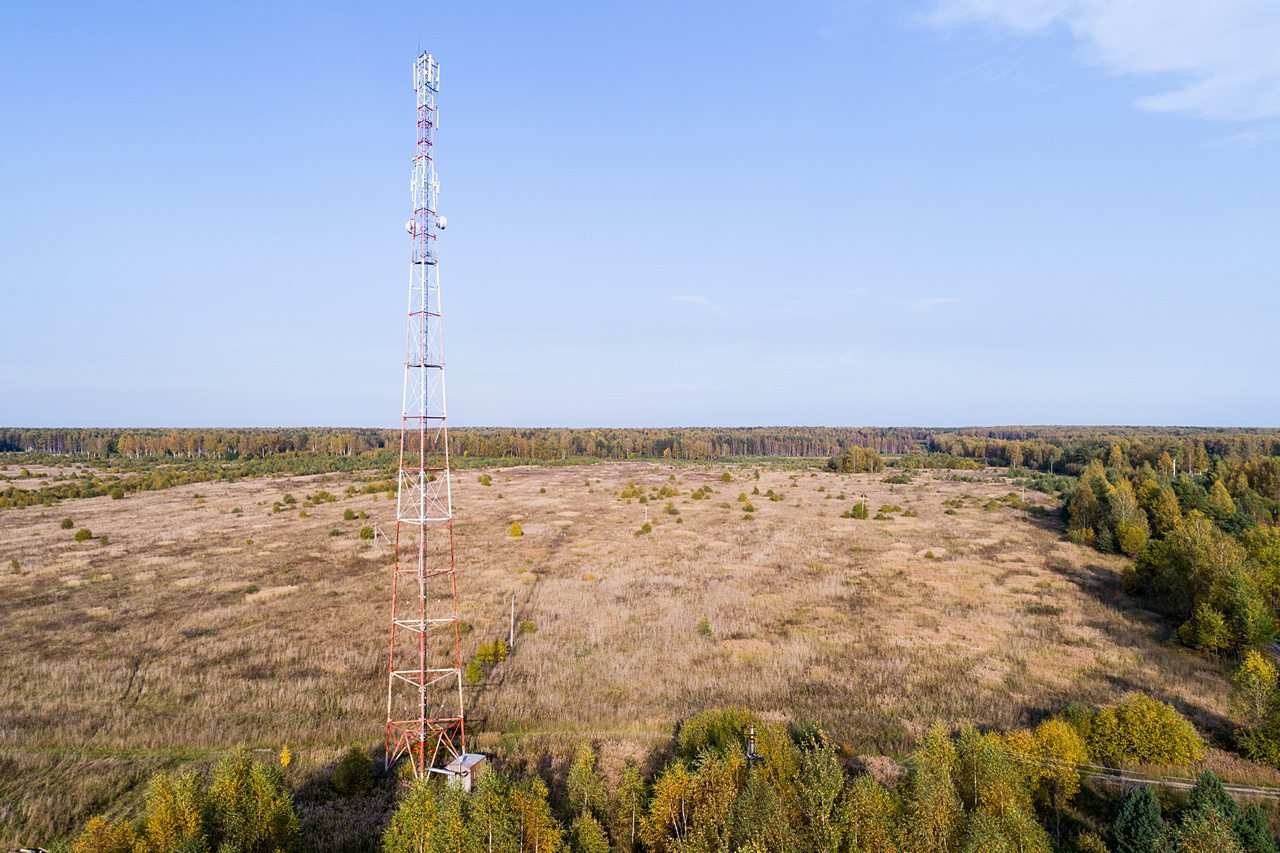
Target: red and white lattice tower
424, 684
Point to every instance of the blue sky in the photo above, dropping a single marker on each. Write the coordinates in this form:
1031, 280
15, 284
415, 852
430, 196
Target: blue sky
945, 212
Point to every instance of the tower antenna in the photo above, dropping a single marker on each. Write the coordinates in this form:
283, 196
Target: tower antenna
424, 682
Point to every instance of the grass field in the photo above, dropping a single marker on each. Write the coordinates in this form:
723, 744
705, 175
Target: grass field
208, 620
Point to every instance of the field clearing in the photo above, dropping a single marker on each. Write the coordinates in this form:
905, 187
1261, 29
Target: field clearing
198, 628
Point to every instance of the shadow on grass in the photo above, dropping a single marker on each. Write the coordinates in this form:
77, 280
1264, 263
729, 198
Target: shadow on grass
1132, 626
354, 823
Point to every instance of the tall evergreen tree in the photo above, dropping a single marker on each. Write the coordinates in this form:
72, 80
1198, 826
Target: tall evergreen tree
1208, 794
1138, 827
1254, 832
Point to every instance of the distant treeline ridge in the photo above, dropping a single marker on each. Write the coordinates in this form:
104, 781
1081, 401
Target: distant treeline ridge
1061, 449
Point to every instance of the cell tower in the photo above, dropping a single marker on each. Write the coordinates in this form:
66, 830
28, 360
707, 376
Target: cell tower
424, 682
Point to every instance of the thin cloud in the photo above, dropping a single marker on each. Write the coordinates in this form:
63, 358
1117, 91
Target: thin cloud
1222, 52
930, 303
1247, 139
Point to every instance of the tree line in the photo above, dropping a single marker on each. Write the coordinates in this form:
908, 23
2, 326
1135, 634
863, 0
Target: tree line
735, 782
1050, 448
492, 443
787, 789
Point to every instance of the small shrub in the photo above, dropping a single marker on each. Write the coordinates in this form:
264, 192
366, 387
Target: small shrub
348, 514
289, 499
725, 478
237, 511
366, 532
516, 529
542, 491
103, 540
354, 773
880, 516
13, 564
951, 512
748, 507
897, 479
527, 626
704, 627
250, 589
929, 555
117, 493
474, 672
67, 524
484, 480
83, 535
644, 528
858, 510
335, 532
671, 509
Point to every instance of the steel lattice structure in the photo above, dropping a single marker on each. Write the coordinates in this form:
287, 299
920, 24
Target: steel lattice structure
424, 682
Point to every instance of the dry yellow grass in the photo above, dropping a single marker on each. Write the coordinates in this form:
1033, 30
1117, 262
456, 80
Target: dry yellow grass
198, 628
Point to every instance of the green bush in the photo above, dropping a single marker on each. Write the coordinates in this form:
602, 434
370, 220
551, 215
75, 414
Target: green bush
67, 524
717, 730
484, 480
353, 773
348, 514
366, 532
1143, 730
83, 534
516, 529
